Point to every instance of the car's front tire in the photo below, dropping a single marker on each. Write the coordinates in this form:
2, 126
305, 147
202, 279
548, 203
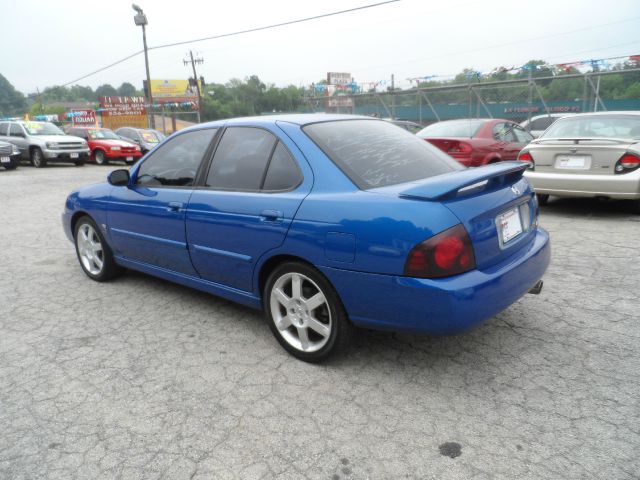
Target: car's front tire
37, 158
100, 157
305, 313
94, 254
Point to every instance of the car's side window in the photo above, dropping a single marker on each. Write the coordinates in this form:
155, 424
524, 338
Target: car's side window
283, 172
504, 132
4, 129
15, 130
176, 163
241, 159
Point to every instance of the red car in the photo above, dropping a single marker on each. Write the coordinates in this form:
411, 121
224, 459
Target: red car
106, 145
476, 142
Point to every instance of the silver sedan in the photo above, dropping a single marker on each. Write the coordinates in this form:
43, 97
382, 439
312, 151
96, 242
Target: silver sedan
587, 155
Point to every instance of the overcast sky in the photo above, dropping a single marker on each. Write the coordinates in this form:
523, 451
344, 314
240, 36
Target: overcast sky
53, 42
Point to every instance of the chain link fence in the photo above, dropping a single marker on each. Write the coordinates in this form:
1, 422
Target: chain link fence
515, 99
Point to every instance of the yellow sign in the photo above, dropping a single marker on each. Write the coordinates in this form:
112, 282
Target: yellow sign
173, 88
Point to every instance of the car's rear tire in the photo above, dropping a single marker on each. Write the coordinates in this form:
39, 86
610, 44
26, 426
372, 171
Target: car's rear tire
100, 157
543, 198
305, 313
37, 158
94, 254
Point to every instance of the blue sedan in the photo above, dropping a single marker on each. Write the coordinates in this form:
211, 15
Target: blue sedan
324, 221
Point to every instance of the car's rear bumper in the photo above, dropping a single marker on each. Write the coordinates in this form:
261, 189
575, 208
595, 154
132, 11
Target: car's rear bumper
622, 186
440, 306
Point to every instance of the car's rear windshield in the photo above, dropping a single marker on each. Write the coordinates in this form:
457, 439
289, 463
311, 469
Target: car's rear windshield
375, 153
456, 128
596, 126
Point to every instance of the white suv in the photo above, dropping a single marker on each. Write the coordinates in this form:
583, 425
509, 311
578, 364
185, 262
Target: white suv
42, 142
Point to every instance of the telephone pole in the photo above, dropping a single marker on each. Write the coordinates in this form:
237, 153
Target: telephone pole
193, 62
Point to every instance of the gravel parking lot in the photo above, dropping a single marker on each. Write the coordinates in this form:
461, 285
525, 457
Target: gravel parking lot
139, 378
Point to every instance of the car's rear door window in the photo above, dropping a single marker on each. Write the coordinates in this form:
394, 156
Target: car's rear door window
283, 172
375, 153
241, 159
176, 163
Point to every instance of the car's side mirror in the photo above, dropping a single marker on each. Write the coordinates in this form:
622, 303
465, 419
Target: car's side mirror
119, 178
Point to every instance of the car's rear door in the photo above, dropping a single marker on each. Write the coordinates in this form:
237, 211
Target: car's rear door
146, 221
253, 188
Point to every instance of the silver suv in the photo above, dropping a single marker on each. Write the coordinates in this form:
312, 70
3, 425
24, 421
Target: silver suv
42, 142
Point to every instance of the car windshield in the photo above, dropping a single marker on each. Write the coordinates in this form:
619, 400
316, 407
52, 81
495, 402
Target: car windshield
102, 134
42, 128
374, 153
150, 136
456, 128
597, 126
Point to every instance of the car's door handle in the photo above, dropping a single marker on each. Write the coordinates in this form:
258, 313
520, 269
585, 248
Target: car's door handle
271, 215
174, 206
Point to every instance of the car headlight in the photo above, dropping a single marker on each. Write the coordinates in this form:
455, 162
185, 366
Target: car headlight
14, 150
115, 148
52, 145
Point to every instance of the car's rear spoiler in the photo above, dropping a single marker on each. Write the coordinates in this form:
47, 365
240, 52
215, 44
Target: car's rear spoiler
466, 181
578, 140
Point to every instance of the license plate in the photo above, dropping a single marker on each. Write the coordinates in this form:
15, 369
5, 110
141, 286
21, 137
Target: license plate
571, 161
510, 224
74, 155
5, 160
129, 159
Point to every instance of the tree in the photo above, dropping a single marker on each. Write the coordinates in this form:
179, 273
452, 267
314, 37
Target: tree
106, 90
12, 102
127, 90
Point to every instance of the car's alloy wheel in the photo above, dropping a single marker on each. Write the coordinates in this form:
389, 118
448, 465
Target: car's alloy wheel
37, 158
100, 158
305, 313
93, 252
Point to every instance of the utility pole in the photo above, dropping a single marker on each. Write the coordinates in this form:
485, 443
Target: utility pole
193, 62
141, 20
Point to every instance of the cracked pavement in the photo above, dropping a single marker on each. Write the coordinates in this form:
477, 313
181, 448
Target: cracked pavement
139, 378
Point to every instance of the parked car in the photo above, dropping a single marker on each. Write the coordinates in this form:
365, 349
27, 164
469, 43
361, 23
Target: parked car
412, 127
106, 146
147, 139
539, 123
323, 221
475, 142
9, 156
587, 155
42, 142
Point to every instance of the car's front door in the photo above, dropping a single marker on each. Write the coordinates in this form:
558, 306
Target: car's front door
252, 191
18, 137
146, 219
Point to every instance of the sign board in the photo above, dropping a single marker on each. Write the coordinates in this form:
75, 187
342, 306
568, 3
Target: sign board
335, 102
338, 78
83, 117
172, 89
123, 112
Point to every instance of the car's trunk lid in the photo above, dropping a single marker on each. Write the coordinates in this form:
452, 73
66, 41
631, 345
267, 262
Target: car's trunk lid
494, 203
588, 156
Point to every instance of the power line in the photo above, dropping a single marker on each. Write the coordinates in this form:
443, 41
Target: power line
241, 32
276, 25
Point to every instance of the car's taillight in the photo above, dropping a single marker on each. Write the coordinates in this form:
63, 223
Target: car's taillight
448, 253
526, 157
627, 163
458, 148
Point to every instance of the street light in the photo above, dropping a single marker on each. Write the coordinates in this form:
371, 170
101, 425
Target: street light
140, 19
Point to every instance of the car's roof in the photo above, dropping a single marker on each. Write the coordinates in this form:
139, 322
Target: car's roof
297, 119
607, 113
